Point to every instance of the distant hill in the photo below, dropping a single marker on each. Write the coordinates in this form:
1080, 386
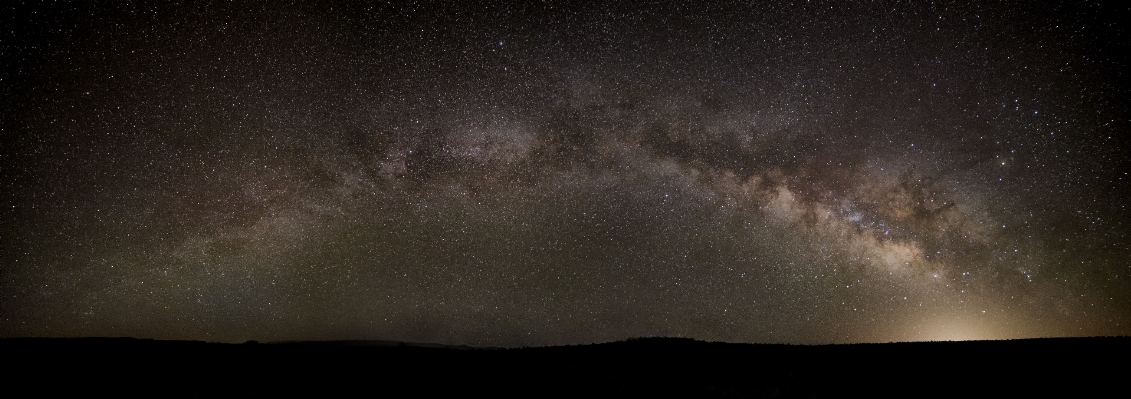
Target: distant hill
377, 343
646, 367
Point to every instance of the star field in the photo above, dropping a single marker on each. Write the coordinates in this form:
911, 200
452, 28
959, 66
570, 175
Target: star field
544, 174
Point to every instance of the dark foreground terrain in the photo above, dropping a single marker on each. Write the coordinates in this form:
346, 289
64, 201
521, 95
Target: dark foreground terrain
654, 367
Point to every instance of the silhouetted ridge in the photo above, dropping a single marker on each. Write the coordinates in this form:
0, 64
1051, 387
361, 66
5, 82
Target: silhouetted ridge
652, 367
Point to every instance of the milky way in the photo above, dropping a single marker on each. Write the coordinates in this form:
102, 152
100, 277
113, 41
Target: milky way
542, 175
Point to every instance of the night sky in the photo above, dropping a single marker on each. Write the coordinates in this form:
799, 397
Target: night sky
541, 174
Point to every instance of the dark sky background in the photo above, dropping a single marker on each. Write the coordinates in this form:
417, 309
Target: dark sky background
541, 174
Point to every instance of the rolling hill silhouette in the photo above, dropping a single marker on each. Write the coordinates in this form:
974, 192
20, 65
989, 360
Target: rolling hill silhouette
665, 367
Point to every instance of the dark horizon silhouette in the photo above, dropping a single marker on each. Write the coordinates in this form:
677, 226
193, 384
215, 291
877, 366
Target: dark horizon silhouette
666, 367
